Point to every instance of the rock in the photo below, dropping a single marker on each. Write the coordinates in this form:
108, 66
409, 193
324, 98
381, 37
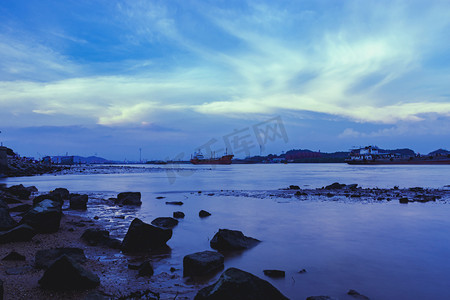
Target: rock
19, 270
66, 274
160, 197
239, 285
299, 193
133, 267
45, 216
129, 198
203, 214
145, 269
142, 236
357, 295
294, 187
8, 198
14, 256
4, 205
174, 202
165, 222
19, 191
227, 239
98, 295
419, 198
1, 289
413, 189
6, 222
178, 214
335, 186
32, 189
21, 233
352, 187
321, 298
202, 263
78, 202
403, 200
99, 237
302, 271
63, 193
54, 197
20, 208
45, 258
275, 273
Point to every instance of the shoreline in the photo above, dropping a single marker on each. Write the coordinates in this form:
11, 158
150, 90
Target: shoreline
112, 266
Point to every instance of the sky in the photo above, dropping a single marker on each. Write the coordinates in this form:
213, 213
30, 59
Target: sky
130, 80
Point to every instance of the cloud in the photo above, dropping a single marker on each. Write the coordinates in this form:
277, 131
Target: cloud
358, 61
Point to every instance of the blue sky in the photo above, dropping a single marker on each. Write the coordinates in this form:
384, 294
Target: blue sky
110, 77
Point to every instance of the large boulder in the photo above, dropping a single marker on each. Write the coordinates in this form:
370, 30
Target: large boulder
63, 193
19, 191
165, 222
202, 263
239, 285
66, 274
6, 222
129, 198
142, 236
45, 216
3, 204
50, 196
99, 237
21, 233
45, 258
227, 239
78, 202
20, 208
9, 198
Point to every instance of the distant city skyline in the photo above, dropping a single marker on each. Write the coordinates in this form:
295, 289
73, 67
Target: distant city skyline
167, 77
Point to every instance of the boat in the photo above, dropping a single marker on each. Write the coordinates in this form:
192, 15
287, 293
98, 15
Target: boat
372, 155
199, 159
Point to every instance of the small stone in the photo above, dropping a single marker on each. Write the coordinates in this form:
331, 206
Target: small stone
275, 273
403, 200
203, 214
14, 256
178, 214
145, 269
174, 203
357, 295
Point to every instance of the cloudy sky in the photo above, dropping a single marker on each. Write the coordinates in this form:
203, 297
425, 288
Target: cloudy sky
109, 77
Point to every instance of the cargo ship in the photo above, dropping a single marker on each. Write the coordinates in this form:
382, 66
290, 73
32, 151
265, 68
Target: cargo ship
371, 155
199, 159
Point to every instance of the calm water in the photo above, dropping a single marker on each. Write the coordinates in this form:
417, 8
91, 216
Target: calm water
383, 250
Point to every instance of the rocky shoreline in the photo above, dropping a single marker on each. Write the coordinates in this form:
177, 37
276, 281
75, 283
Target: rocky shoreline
33, 225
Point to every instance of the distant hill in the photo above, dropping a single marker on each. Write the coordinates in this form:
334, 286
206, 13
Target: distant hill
84, 160
439, 152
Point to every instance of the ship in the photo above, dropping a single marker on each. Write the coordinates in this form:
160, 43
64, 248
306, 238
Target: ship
372, 155
199, 159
